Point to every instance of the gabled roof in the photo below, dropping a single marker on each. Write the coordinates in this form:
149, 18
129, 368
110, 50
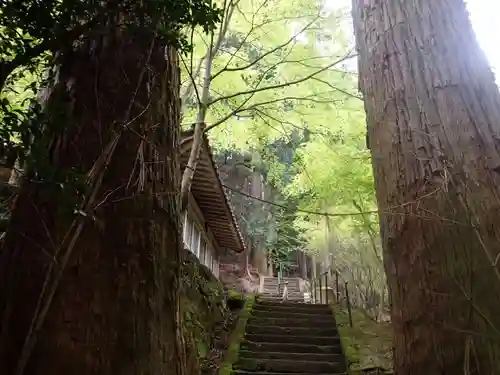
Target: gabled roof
210, 196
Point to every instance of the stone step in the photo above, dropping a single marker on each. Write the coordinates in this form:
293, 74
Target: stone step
276, 290
280, 293
285, 322
310, 305
275, 286
278, 299
289, 293
295, 300
274, 297
293, 279
288, 366
282, 285
290, 347
275, 280
295, 308
321, 357
298, 310
312, 340
272, 291
242, 372
327, 319
293, 331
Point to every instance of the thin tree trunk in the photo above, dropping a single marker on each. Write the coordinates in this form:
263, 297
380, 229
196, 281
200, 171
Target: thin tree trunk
203, 102
96, 292
199, 129
432, 112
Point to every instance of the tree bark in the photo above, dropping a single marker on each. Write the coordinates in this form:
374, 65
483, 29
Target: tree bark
432, 113
96, 292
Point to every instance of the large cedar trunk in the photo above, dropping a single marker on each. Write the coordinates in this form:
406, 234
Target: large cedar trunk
433, 113
115, 309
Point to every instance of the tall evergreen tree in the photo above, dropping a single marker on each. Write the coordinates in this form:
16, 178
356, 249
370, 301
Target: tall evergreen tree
90, 265
432, 110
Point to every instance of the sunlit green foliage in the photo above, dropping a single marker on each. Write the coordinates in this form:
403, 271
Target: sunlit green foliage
32, 31
274, 69
282, 71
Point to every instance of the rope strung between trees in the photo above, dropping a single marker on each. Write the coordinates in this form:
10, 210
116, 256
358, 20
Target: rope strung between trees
299, 210
388, 211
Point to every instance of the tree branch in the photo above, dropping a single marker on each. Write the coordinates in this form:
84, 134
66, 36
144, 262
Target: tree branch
193, 83
281, 85
212, 50
252, 29
297, 98
278, 47
263, 114
256, 105
336, 88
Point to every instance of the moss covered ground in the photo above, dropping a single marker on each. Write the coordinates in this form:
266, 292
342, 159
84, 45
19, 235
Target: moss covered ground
231, 355
367, 344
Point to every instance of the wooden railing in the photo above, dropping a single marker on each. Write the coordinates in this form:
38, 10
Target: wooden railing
320, 287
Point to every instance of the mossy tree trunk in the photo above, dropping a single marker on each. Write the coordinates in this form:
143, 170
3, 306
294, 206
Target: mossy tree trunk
96, 292
433, 113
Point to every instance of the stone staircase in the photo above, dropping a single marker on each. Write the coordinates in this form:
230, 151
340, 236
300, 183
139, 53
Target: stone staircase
270, 290
283, 338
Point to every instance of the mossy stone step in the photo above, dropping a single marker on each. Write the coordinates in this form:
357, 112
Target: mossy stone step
287, 322
243, 372
312, 340
290, 347
325, 318
291, 330
286, 338
274, 293
291, 304
277, 297
274, 281
321, 357
288, 366
289, 299
300, 308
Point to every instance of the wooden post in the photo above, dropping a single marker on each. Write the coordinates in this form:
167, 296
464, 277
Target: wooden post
314, 290
337, 290
326, 287
279, 278
348, 303
320, 291
313, 268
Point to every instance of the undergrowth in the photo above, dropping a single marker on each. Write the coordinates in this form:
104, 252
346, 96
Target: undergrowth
367, 344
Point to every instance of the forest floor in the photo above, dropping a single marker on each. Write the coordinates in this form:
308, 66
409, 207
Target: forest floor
368, 344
